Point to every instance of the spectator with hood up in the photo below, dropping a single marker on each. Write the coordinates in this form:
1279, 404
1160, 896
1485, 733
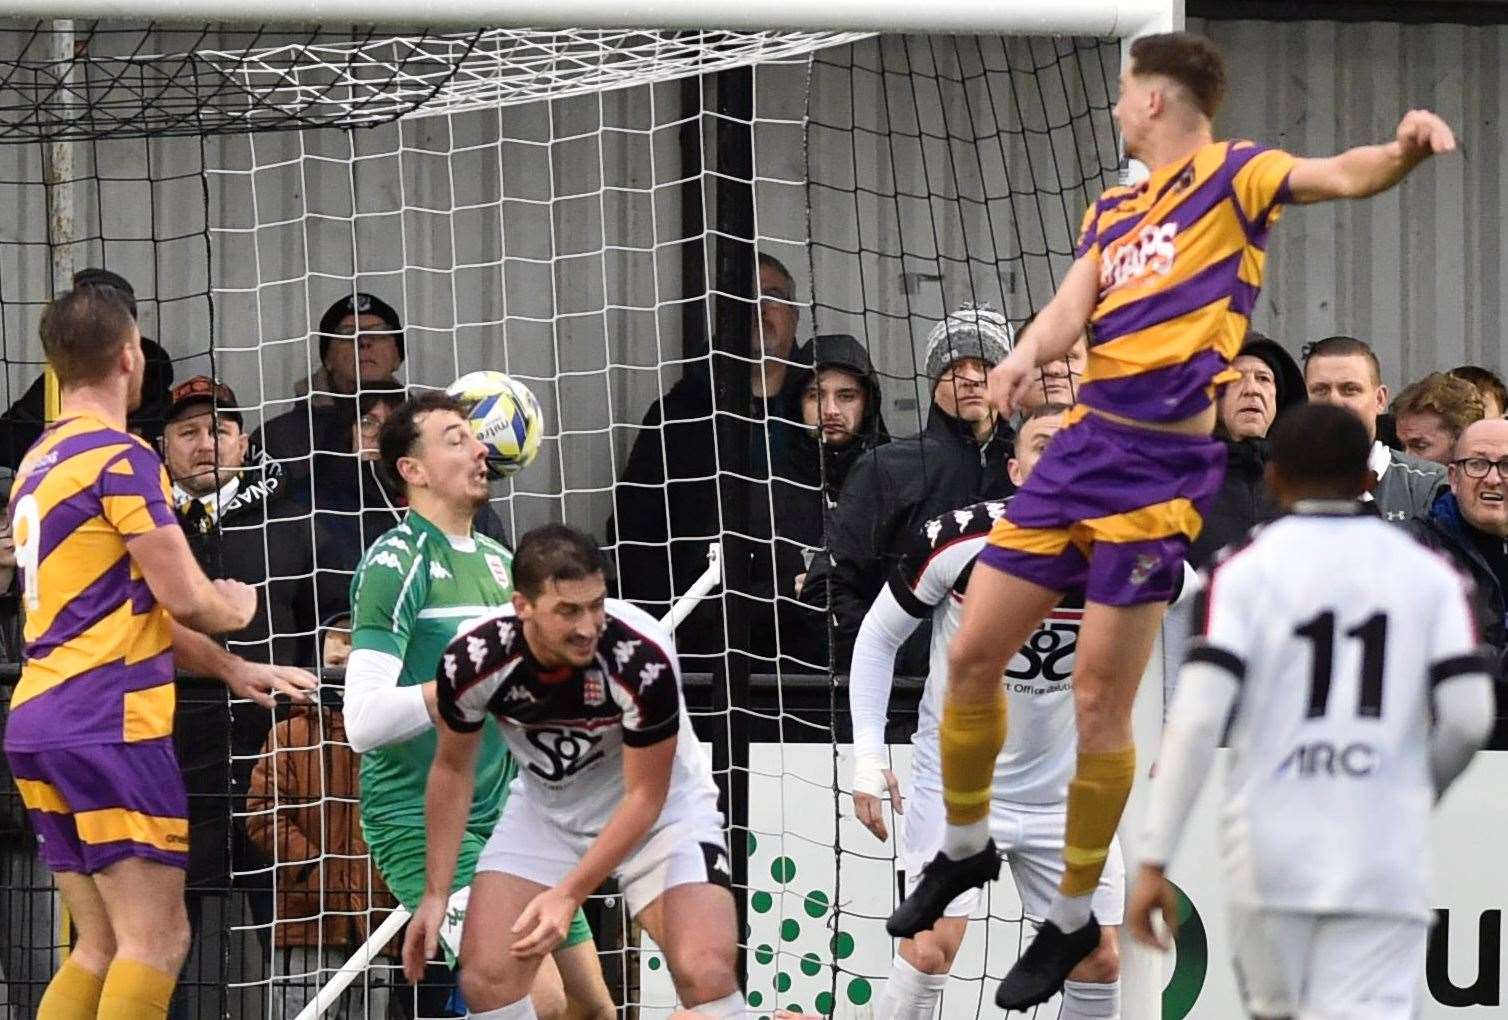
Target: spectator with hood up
1271, 382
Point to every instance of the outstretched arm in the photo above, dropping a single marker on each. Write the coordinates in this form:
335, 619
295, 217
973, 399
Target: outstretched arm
1050, 337
1370, 169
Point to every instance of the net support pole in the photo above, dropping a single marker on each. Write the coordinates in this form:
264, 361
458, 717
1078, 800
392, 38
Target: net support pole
735, 362
58, 176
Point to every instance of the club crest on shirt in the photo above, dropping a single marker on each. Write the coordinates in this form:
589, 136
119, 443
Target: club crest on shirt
499, 569
594, 688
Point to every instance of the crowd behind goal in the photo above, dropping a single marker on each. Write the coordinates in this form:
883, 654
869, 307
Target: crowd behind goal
298, 507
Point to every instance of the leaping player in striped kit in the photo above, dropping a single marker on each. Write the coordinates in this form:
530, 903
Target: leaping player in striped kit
1166, 275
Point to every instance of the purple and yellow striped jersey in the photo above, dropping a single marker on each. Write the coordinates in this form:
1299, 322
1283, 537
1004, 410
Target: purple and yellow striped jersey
1180, 259
98, 666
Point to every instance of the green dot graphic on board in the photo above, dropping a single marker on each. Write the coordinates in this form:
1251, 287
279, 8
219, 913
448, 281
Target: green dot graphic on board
755, 998
816, 903
782, 982
790, 930
825, 1003
859, 991
842, 945
764, 954
1192, 956
761, 902
794, 1007
810, 964
783, 869
753, 844
654, 963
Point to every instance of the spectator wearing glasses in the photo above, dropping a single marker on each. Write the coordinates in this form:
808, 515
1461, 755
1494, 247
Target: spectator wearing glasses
1469, 523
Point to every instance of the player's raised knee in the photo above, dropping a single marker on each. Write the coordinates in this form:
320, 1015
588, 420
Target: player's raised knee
927, 955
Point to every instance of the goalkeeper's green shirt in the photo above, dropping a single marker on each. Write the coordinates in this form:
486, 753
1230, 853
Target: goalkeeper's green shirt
413, 590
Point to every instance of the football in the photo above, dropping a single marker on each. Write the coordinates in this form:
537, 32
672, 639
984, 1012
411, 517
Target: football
504, 415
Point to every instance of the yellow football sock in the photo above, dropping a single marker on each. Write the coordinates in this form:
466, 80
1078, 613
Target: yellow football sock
135, 991
1096, 797
970, 739
72, 994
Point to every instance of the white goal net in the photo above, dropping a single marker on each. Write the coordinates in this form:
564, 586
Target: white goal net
588, 211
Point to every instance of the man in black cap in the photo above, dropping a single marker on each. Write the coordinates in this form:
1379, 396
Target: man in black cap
1271, 382
24, 420
360, 343
241, 523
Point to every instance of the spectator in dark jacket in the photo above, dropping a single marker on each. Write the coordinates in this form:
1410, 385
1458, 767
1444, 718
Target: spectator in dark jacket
241, 524
841, 418
1469, 524
1431, 414
1470, 521
360, 346
667, 503
1270, 383
893, 489
23, 421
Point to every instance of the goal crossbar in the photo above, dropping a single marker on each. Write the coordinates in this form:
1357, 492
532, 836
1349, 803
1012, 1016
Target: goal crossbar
1105, 18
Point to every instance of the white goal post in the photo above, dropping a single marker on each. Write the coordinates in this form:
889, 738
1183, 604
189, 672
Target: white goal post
1118, 18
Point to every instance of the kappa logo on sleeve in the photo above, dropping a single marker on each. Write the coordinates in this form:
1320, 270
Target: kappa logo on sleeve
650, 673
624, 650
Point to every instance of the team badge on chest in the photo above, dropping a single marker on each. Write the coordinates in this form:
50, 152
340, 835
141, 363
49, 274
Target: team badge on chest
499, 570
594, 688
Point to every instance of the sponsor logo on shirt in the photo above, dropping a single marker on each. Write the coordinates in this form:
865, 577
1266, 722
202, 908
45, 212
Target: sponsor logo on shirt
567, 751
1151, 253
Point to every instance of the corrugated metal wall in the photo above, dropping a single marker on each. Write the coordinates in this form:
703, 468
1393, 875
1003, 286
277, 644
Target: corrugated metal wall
1419, 271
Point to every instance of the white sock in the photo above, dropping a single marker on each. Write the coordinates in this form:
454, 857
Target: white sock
1084, 1000
909, 994
728, 1006
1070, 913
523, 1009
960, 841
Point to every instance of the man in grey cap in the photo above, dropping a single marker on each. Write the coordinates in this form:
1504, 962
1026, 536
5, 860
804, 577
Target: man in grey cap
893, 489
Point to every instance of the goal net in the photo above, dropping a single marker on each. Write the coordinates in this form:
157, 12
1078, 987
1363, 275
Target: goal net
593, 212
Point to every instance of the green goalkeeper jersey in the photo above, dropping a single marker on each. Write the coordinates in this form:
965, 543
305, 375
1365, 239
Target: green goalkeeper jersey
413, 590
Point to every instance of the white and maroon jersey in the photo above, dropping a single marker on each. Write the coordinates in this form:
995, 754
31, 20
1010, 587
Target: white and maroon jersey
567, 727
1336, 628
1041, 742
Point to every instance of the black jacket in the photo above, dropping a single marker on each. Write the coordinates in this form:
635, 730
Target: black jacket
1242, 502
261, 533
804, 494
673, 476
891, 491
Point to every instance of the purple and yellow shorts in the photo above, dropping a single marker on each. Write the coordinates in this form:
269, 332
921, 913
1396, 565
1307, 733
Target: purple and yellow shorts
97, 804
1111, 508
